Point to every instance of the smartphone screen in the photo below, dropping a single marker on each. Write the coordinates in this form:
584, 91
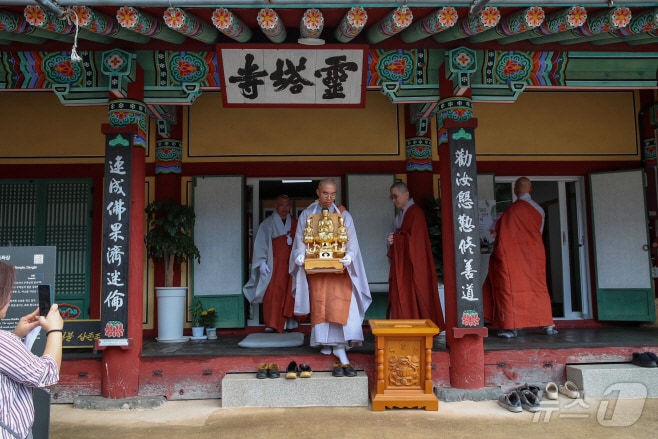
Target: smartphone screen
44, 300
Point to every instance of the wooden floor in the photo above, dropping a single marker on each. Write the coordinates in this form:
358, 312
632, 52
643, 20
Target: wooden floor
586, 338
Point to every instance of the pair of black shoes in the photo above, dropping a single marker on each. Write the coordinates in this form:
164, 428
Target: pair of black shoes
267, 370
343, 370
645, 359
303, 370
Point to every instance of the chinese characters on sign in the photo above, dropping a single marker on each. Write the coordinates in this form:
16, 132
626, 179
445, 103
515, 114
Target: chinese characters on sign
295, 77
463, 174
114, 306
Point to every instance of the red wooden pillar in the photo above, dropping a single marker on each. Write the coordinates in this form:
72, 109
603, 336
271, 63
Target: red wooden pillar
419, 162
168, 157
120, 367
466, 344
465, 329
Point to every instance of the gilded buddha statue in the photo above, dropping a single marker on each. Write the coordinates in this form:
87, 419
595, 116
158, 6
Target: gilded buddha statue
325, 242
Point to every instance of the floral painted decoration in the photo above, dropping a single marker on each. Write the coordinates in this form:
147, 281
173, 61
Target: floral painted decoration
470, 318
357, 17
222, 19
267, 18
313, 19
577, 16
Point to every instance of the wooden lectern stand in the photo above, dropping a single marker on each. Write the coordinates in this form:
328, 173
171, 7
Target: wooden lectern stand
403, 364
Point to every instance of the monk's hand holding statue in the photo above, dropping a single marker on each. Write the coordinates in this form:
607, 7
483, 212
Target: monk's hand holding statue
346, 260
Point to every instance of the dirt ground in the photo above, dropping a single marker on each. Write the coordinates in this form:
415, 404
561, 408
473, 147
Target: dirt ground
200, 419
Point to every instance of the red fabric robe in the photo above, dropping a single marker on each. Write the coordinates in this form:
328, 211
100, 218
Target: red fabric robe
413, 287
278, 302
515, 293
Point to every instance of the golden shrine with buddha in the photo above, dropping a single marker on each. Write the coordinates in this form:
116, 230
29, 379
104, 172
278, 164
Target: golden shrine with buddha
325, 237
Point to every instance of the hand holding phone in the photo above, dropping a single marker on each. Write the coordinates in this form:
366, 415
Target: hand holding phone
44, 300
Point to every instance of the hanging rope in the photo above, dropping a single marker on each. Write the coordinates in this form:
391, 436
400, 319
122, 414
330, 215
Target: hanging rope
72, 17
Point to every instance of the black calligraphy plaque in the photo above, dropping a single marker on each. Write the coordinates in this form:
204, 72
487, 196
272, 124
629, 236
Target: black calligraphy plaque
81, 333
292, 76
116, 236
463, 175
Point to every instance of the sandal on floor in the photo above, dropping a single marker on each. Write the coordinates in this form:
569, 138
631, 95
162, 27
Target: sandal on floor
511, 333
551, 390
262, 371
273, 371
292, 370
550, 330
529, 401
532, 388
570, 389
349, 371
511, 401
305, 371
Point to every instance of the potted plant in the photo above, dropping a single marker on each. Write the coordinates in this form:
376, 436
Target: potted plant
169, 240
197, 318
208, 318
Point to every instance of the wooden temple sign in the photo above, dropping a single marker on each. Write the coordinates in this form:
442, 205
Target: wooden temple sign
463, 175
116, 226
81, 333
293, 76
325, 239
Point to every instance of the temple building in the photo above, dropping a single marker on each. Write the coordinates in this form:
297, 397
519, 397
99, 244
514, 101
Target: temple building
107, 106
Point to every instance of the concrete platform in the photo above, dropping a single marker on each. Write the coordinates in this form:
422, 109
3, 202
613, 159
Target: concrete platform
614, 380
321, 390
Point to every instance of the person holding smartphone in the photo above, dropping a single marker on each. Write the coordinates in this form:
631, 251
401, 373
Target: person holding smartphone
20, 369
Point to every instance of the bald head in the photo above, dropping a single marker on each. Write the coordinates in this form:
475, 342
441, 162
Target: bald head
522, 185
399, 194
326, 192
282, 205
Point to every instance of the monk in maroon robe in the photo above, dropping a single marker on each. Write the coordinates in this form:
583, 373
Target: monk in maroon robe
515, 294
269, 281
413, 287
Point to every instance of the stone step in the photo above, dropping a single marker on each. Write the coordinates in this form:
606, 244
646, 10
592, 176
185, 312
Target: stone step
321, 390
618, 380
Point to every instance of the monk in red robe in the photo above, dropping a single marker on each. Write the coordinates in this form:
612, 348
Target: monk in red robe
413, 287
269, 281
515, 293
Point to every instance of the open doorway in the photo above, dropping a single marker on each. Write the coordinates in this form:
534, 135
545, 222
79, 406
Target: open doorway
261, 194
562, 199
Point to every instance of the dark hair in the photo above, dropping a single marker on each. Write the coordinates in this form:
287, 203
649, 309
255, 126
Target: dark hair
7, 278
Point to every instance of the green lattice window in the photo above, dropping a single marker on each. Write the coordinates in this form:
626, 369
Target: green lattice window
53, 212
